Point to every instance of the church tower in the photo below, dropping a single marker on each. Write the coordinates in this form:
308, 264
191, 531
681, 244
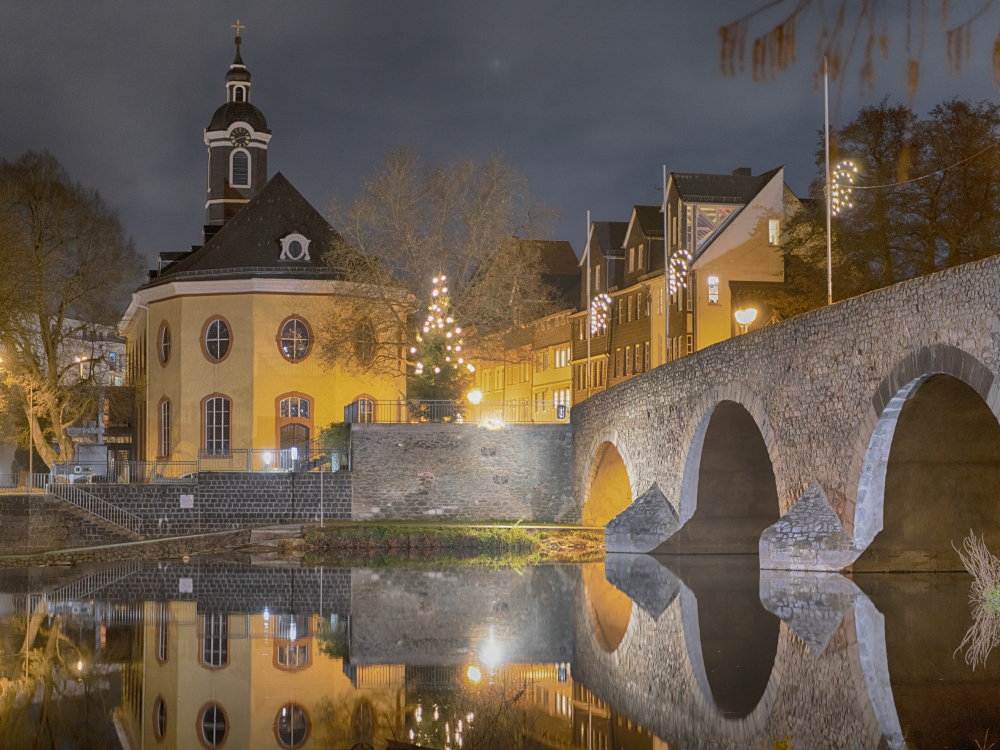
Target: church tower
237, 139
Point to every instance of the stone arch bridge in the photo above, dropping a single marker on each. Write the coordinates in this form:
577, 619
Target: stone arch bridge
864, 435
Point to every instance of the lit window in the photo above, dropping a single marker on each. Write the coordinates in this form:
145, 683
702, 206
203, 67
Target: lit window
113, 360
295, 408
713, 290
292, 726
366, 410
213, 725
631, 259
217, 339
295, 339
630, 308
641, 248
217, 425
774, 232
597, 277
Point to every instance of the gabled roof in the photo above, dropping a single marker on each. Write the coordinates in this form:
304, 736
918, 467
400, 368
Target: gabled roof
250, 243
559, 268
609, 236
650, 219
763, 180
720, 188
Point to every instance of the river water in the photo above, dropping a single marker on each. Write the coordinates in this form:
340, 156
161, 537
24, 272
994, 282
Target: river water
692, 652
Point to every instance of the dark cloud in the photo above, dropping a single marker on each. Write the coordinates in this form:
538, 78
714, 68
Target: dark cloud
587, 98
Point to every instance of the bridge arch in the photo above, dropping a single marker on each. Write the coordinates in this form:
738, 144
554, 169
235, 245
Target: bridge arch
932, 462
608, 489
610, 610
729, 490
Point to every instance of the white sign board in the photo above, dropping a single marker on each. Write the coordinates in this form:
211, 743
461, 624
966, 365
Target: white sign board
187, 501
186, 586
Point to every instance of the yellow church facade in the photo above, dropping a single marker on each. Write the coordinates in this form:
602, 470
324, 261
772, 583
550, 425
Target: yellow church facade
223, 340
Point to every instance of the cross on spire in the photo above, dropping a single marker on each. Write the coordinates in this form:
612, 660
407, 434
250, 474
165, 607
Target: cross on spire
237, 26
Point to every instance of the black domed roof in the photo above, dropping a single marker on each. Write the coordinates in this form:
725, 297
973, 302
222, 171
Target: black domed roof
232, 112
236, 73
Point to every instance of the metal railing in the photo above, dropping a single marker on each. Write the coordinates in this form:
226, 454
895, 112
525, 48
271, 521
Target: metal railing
488, 413
73, 495
16, 484
126, 472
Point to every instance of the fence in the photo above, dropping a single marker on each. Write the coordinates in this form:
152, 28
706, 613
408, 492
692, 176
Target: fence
15, 484
490, 413
119, 517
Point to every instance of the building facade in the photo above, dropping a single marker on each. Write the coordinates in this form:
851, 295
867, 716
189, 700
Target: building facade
222, 339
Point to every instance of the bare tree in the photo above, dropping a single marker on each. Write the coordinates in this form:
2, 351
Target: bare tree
413, 223
68, 264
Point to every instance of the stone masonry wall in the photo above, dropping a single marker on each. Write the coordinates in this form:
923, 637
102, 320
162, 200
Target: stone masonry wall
231, 500
462, 472
38, 522
816, 385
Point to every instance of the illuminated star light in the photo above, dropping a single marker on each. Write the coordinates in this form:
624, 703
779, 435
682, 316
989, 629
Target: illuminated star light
841, 182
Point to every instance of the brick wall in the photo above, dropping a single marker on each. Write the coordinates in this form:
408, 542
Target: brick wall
231, 500
462, 472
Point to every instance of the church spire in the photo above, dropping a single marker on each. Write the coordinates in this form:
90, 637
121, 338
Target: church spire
238, 77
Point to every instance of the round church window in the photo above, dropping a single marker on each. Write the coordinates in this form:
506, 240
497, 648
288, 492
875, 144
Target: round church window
216, 339
294, 339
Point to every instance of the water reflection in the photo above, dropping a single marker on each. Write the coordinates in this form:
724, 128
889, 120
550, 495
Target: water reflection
634, 653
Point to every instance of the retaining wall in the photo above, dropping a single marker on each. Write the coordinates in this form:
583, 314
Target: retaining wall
462, 472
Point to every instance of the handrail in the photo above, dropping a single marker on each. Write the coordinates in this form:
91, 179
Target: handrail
114, 515
488, 413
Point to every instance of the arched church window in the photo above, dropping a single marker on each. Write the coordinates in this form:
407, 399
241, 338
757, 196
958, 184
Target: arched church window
294, 408
160, 719
294, 339
240, 176
216, 339
164, 348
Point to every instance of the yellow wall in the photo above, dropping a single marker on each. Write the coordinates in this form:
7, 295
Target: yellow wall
659, 302
253, 374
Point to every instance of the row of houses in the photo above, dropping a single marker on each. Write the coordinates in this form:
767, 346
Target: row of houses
664, 284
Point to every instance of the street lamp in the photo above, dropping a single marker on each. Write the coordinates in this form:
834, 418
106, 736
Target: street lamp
475, 396
745, 317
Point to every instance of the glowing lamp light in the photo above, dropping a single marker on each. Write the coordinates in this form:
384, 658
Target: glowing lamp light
295, 453
491, 654
267, 615
474, 674
79, 666
745, 317
293, 631
267, 458
475, 396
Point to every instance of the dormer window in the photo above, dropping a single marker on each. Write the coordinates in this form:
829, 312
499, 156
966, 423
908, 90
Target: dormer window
294, 247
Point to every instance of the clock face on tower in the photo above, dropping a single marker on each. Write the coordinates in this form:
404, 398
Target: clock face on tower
240, 137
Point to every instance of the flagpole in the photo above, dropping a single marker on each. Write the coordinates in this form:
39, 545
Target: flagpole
826, 117
587, 323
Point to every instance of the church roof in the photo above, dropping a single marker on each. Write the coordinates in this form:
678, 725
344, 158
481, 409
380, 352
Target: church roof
231, 112
249, 244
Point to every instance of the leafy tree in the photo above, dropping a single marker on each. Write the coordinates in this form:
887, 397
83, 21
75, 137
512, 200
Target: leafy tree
67, 264
927, 197
413, 222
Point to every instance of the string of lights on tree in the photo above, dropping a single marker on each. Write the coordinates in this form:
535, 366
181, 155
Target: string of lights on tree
440, 323
600, 314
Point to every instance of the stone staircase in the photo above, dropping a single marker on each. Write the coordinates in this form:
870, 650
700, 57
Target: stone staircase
89, 529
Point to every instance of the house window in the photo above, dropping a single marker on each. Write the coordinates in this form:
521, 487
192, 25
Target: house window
215, 641
638, 358
240, 170
295, 407
165, 428
213, 725
713, 290
113, 361
628, 361
641, 248
597, 277
646, 356
630, 308
217, 424
631, 259
690, 343
366, 410
294, 339
618, 362
217, 339
774, 232
292, 726
689, 299
293, 656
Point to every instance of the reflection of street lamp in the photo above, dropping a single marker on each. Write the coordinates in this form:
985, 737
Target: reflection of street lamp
475, 396
745, 317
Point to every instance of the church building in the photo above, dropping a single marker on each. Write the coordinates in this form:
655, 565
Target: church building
222, 339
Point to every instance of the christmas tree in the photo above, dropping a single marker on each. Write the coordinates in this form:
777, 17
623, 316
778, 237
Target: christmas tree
441, 371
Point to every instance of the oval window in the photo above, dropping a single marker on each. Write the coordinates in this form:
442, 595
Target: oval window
217, 339
213, 725
160, 719
164, 343
292, 726
294, 249
294, 339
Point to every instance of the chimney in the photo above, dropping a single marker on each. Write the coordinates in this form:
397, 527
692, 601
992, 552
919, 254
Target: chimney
742, 172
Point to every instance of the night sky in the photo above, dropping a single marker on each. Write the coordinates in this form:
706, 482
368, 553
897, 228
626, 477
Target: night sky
589, 99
